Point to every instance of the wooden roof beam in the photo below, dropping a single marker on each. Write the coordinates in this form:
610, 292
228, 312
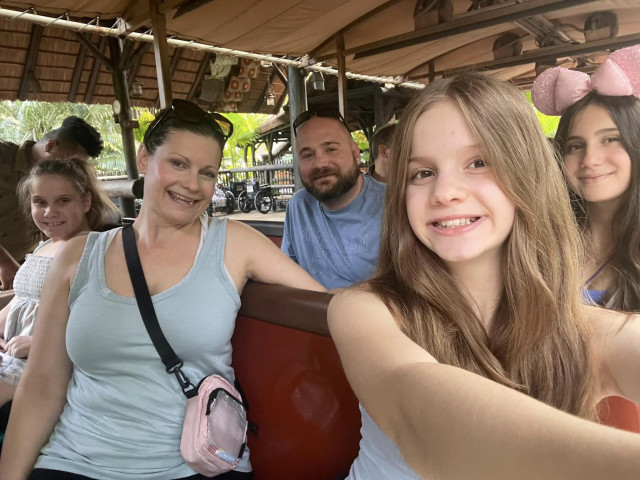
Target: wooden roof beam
77, 74
546, 53
199, 76
281, 100
137, 14
477, 20
172, 68
134, 61
95, 51
331, 40
281, 75
190, 6
30, 63
93, 78
263, 95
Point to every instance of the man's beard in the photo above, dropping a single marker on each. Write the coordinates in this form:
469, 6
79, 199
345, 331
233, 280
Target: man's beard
343, 185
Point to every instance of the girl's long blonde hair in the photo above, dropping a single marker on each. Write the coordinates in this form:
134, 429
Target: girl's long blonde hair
539, 342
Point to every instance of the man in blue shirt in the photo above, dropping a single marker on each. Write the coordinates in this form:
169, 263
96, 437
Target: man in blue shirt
332, 227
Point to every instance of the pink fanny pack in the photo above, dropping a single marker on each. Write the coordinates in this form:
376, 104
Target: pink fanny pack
214, 433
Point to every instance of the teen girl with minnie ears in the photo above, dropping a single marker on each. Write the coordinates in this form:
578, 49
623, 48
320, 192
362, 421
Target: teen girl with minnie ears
470, 350
598, 139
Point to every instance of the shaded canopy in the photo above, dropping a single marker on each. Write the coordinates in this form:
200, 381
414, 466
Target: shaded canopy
388, 38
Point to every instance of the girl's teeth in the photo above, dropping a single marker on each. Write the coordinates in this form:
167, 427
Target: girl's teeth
455, 222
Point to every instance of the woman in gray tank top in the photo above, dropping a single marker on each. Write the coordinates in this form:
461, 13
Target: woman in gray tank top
470, 350
95, 400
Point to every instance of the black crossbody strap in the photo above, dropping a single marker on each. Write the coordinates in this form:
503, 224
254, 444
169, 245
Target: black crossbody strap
171, 361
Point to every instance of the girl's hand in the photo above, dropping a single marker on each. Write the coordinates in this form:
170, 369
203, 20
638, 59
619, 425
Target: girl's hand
3, 345
19, 347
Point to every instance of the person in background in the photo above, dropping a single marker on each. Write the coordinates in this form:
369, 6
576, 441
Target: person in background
598, 139
470, 349
18, 235
380, 152
95, 400
332, 226
63, 199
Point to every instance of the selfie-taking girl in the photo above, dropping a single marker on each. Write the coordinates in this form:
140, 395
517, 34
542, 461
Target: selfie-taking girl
470, 350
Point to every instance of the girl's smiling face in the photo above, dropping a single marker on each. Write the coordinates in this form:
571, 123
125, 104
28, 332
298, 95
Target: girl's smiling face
597, 166
57, 208
454, 203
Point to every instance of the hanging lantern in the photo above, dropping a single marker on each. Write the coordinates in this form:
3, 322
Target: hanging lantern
271, 96
317, 80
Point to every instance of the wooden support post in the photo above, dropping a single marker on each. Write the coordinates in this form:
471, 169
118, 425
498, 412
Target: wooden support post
297, 105
30, 64
342, 78
175, 58
121, 91
161, 51
378, 109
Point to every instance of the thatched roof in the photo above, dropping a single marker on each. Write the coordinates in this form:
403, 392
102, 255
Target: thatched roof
381, 37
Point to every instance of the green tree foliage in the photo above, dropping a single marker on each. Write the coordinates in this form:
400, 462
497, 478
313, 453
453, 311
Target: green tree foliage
245, 130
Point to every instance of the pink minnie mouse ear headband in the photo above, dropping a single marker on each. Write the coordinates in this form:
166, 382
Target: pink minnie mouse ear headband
556, 89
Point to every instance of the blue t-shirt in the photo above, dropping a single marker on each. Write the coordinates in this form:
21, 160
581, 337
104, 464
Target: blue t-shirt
337, 248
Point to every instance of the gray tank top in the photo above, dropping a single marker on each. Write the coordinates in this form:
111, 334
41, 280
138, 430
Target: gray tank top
123, 417
379, 458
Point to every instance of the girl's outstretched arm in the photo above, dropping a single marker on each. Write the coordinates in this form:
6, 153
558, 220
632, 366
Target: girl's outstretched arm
41, 393
617, 347
450, 423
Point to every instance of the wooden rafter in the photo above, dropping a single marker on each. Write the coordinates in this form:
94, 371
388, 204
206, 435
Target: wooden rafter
331, 40
30, 63
280, 101
190, 6
161, 52
172, 68
547, 53
199, 76
95, 70
483, 18
263, 95
77, 73
135, 60
95, 51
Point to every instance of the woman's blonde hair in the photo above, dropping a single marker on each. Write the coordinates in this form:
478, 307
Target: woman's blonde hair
539, 341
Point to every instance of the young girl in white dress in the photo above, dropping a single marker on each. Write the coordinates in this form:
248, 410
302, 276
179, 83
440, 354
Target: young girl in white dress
64, 199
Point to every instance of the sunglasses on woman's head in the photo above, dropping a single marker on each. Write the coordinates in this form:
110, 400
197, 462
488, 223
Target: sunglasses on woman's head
191, 113
321, 112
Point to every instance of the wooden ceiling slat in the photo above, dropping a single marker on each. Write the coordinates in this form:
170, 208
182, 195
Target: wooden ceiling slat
30, 63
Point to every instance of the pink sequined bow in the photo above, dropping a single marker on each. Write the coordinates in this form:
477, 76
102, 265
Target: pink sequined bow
556, 89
